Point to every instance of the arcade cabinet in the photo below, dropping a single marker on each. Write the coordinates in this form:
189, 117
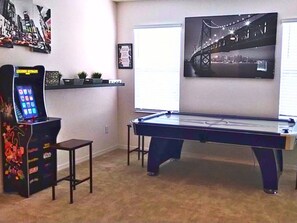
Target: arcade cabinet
29, 163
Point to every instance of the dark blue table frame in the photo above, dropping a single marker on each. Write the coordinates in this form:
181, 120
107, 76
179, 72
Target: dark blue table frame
167, 140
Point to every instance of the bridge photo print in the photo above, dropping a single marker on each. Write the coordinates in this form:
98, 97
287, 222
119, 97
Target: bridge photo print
234, 46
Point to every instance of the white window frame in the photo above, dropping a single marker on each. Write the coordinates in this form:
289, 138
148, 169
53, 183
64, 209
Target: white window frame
154, 83
288, 77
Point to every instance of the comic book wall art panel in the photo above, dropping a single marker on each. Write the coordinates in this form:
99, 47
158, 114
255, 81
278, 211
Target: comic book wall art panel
42, 16
232, 46
24, 24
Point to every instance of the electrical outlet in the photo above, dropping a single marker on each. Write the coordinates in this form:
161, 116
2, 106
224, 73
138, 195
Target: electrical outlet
106, 129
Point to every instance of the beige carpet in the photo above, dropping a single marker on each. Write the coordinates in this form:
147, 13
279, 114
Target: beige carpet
188, 190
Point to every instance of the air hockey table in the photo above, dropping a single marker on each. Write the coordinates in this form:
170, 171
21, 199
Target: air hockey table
267, 138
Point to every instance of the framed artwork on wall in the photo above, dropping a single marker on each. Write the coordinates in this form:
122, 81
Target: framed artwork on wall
23, 23
232, 46
125, 56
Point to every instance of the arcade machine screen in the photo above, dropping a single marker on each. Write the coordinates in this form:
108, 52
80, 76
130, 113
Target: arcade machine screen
27, 102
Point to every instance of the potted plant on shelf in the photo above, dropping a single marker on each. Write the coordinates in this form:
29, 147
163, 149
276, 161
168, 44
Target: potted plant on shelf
96, 77
82, 75
81, 78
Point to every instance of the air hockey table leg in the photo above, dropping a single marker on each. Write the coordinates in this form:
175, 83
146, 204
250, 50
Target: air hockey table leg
161, 150
269, 161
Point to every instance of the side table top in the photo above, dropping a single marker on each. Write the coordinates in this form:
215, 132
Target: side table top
72, 144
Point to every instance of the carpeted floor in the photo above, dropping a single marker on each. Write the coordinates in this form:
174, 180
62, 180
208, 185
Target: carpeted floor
188, 190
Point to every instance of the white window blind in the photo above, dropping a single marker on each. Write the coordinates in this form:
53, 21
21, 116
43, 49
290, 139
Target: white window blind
157, 55
288, 82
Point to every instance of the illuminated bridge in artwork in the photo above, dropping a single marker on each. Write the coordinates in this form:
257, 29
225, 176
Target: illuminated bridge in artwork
249, 31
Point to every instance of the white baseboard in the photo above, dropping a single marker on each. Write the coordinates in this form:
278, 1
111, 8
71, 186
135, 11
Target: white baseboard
85, 158
290, 167
123, 147
249, 161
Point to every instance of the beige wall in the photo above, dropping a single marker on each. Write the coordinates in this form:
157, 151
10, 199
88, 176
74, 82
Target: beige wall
251, 97
83, 38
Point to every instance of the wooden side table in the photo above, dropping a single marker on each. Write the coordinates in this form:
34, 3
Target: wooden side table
71, 146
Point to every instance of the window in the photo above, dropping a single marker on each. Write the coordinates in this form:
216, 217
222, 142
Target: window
157, 67
288, 82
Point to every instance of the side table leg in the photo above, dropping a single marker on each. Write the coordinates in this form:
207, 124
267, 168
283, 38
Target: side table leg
128, 149
71, 175
53, 193
142, 151
73, 170
91, 172
139, 149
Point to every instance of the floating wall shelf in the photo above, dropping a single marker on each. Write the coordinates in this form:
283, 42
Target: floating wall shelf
57, 87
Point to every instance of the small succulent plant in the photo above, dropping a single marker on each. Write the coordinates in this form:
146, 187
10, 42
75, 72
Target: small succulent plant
96, 75
82, 75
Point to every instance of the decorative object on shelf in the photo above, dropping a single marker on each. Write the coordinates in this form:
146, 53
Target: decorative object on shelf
96, 78
233, 46
115, 81
96, 75
88, 81
78, 81
73, 81
82, 75
52, 78
68, 81
125, 56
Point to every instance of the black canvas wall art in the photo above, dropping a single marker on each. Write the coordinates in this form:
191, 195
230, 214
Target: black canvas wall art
234, 46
